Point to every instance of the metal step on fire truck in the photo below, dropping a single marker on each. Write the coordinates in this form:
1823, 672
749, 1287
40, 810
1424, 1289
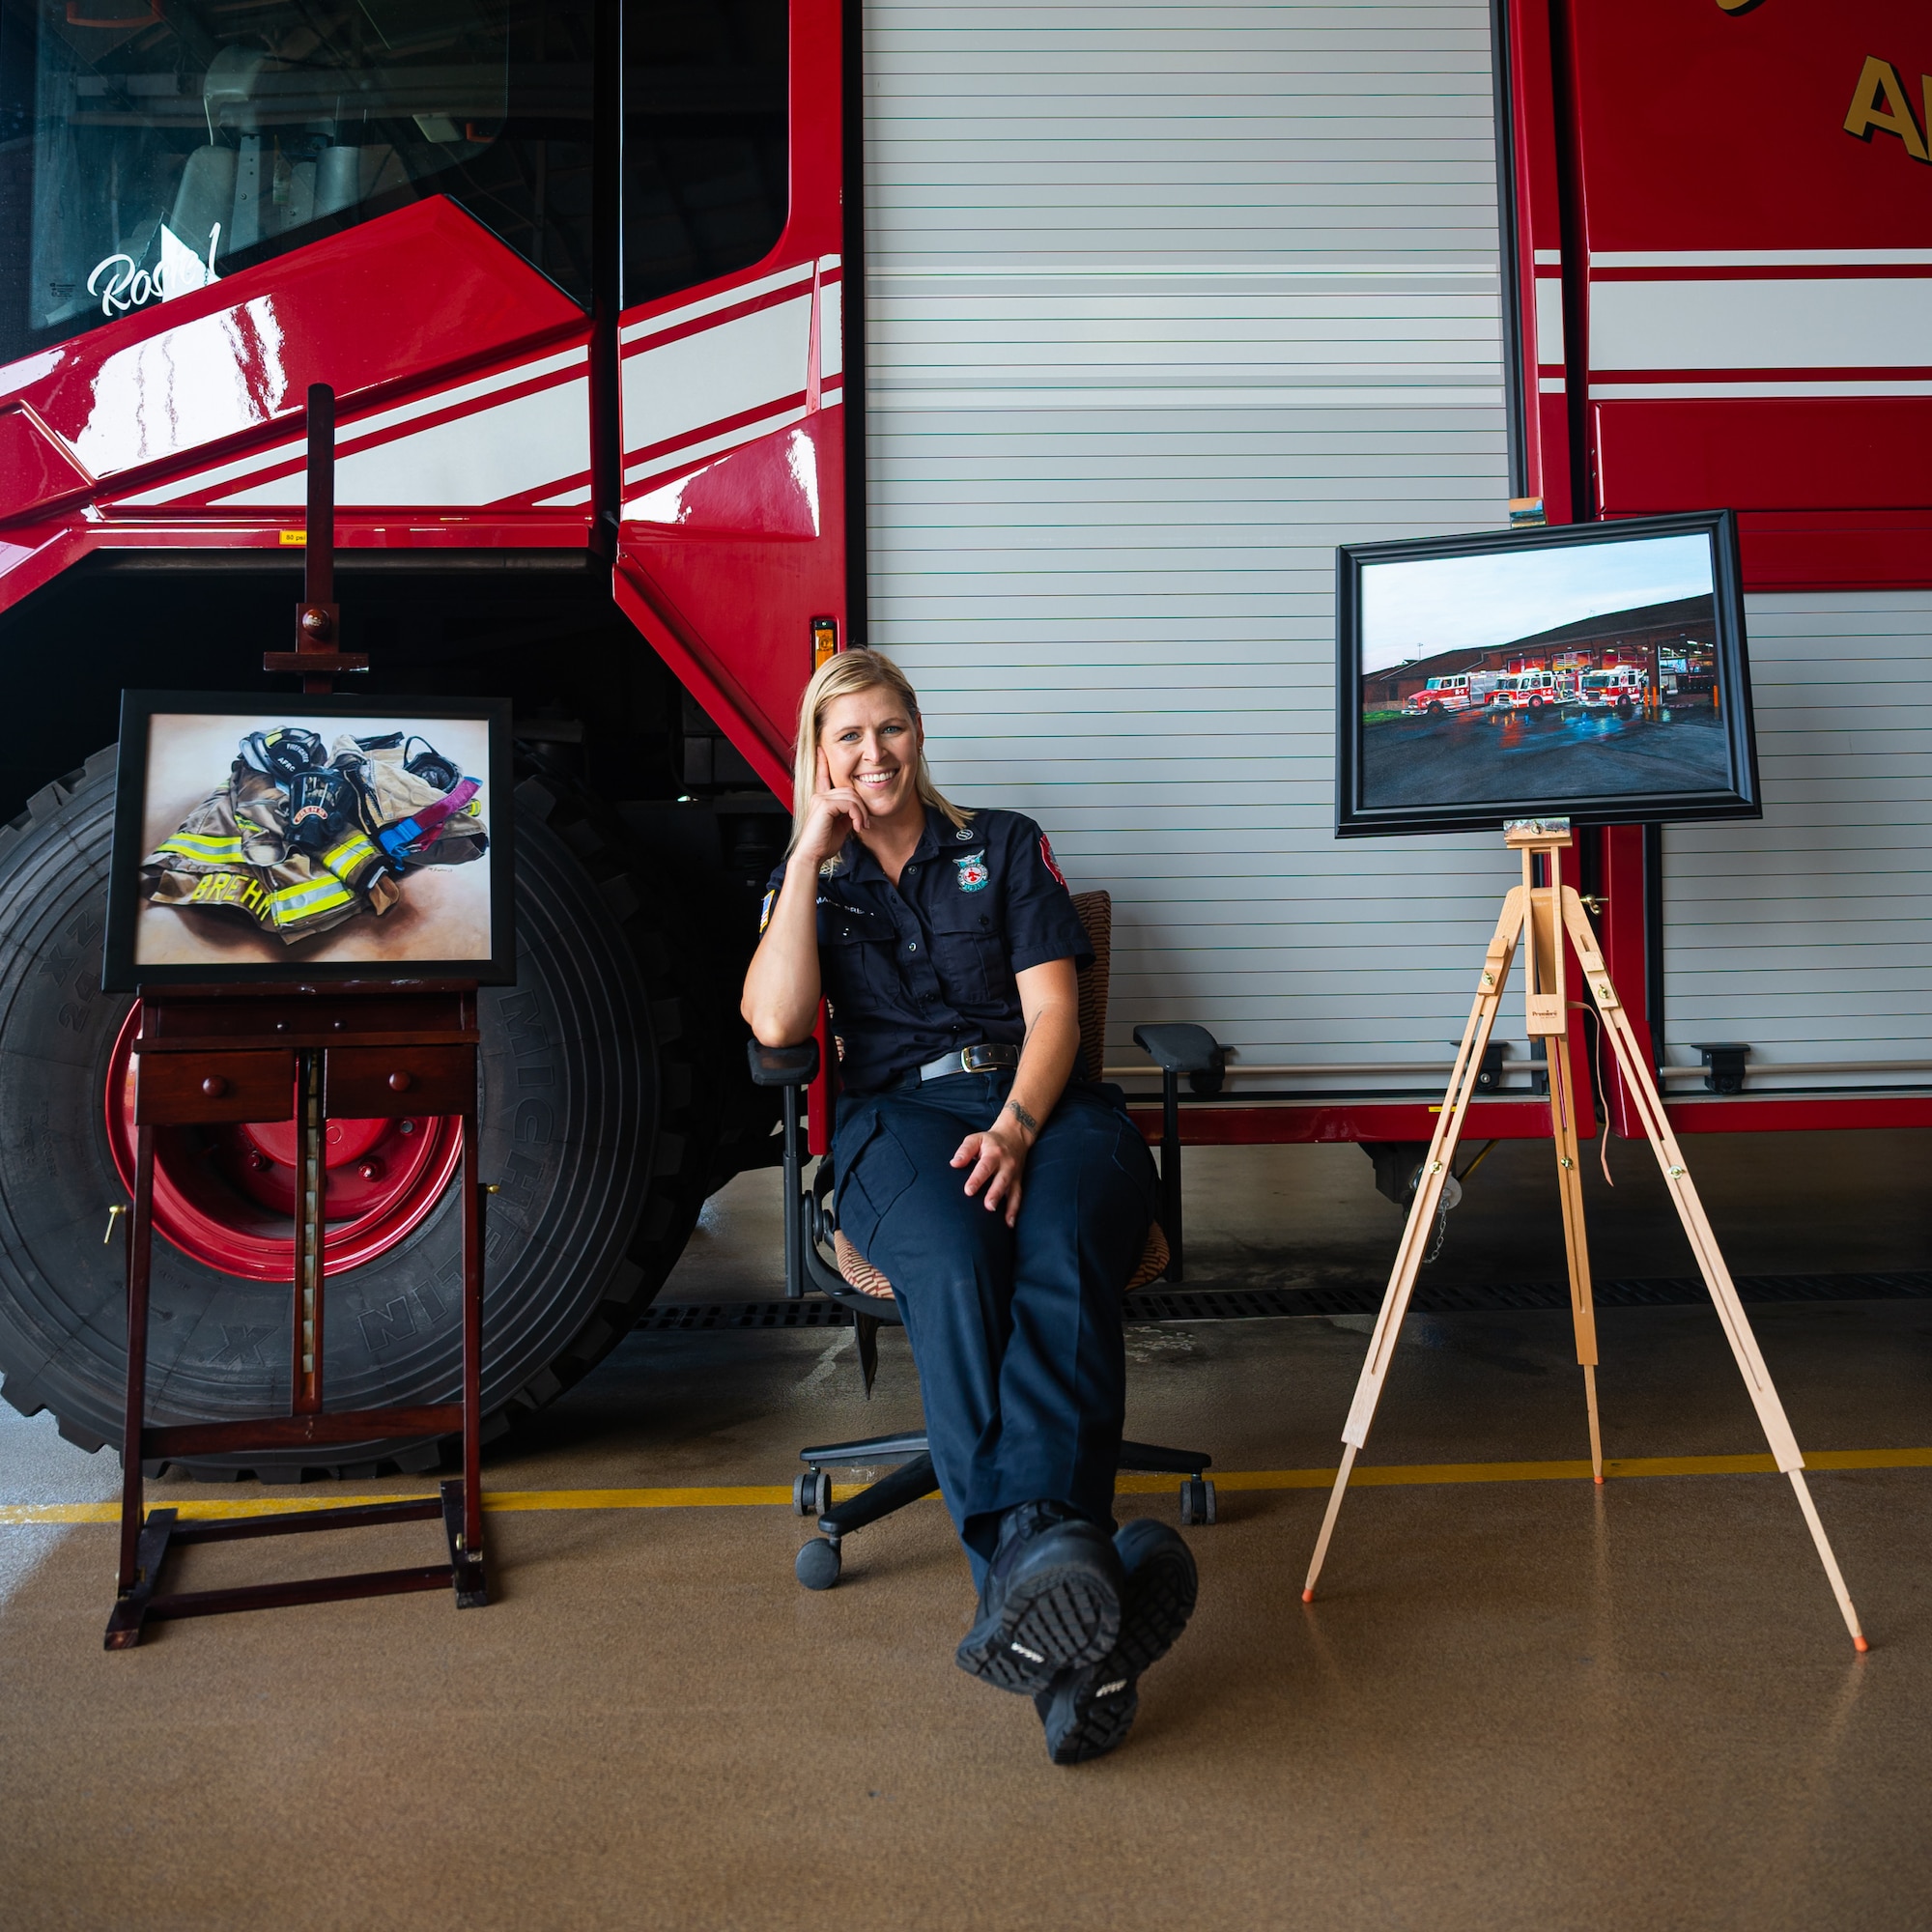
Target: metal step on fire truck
1159, 307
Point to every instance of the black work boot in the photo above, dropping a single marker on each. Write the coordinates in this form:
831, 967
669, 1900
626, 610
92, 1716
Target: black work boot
1089, 1710
1051, 1600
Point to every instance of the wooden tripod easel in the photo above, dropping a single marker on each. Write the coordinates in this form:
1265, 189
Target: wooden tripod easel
1542, 915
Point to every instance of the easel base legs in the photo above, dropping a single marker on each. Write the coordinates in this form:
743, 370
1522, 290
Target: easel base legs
1596, 1428
163, 1530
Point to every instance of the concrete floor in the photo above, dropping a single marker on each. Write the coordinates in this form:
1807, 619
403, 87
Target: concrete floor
1517, 1703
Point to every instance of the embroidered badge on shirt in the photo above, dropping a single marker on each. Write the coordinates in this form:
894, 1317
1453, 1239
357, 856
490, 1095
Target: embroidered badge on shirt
973, 872
1046, 853
765, 910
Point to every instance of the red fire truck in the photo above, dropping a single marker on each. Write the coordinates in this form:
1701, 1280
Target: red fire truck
577, 272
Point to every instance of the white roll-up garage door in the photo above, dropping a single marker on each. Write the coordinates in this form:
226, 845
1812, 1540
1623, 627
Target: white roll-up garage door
1808, 934
1162, 305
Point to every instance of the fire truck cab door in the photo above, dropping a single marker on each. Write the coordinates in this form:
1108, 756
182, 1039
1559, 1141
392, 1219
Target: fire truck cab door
731, 535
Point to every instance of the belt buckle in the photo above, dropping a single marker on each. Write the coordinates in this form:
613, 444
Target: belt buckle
971, 1063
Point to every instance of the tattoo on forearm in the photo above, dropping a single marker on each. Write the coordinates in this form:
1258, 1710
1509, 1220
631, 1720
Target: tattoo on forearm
1025, 1119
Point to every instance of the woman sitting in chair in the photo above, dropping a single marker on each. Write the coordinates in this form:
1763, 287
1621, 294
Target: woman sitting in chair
1006, 1201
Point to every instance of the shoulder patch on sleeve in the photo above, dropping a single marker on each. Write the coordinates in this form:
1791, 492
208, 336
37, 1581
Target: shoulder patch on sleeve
1046, 858
765, 910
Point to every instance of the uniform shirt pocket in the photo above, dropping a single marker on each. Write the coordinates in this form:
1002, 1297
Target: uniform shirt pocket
854, 961
968, 954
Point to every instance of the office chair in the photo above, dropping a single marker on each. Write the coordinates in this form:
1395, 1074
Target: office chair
847, 1278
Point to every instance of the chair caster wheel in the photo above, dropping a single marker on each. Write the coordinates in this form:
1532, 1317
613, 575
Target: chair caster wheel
811, 1493
1196, 1501
818, 1563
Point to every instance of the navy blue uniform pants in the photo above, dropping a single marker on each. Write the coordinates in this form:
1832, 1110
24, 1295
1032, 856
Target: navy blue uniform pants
1016, 1331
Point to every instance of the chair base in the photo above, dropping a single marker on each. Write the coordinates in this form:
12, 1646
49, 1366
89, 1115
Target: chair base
819, 1561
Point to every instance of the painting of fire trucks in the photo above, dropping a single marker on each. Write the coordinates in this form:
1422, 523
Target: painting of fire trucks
1595, 670
1587, 671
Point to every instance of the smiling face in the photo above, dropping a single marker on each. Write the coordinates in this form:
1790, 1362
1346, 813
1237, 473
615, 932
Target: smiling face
869, 744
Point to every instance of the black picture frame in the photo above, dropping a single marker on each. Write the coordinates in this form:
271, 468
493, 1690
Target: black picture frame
121, 971
1738, 797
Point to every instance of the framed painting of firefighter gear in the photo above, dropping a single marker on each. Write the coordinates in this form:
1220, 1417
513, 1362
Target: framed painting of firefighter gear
271, 838
1595, 671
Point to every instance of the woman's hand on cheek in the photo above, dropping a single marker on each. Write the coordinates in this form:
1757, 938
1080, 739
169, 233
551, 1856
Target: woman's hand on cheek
836, 813
997, 1158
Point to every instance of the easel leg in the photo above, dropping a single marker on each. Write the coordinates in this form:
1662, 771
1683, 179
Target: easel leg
1833, 1574
1328, 1517
140, 1255
1711, 1265
142, 1547
466, 1554
1575, 1238
1422, 1215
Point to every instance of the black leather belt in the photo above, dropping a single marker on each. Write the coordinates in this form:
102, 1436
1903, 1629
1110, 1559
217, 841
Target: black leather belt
970, 1060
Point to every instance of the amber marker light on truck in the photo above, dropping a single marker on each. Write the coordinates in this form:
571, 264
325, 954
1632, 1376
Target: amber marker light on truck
824, 639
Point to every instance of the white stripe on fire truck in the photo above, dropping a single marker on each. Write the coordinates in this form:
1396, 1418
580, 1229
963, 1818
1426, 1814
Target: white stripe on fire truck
1812, 323
351, 433
683, 388
479, 458
679, 451
1755, 258
744, 292
351, 436
1636, 393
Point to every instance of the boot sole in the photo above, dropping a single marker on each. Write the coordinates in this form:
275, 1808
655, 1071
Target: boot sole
1160, 1597
1057, 1620
1100, 1727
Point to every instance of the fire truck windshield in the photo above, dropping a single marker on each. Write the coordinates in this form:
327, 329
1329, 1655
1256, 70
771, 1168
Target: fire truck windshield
148, 147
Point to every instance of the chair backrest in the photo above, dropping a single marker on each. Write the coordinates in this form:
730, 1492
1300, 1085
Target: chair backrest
1096, 913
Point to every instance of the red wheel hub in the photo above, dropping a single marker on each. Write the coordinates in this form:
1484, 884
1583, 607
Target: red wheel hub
226, 1196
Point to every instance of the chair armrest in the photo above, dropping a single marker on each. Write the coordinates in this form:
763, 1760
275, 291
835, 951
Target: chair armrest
783, 1065
1181, 1047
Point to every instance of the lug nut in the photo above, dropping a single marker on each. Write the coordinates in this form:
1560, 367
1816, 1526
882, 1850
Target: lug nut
259, 1161
371, 1170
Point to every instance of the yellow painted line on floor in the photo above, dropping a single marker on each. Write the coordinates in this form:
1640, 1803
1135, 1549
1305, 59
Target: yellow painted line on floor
1394, 1475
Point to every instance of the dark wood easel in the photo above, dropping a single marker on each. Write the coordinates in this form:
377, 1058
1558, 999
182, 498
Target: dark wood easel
360, 1051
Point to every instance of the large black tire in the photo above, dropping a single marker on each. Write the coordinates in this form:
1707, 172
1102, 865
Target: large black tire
594, 1113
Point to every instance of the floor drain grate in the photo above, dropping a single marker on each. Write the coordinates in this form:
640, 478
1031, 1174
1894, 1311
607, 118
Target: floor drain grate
1255, 1304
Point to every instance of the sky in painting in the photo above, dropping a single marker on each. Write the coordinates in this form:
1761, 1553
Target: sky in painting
1415, 609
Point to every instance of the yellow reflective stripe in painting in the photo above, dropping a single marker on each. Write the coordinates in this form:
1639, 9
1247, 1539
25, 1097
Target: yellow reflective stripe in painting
202, 845
316, 895
351, 853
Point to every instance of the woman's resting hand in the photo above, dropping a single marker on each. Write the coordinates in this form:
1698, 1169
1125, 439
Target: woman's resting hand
997, 1158
836, 813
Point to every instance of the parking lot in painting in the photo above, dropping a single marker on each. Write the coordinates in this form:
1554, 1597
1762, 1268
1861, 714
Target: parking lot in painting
1474, 758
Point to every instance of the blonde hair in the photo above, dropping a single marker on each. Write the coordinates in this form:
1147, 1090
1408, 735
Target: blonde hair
845, 674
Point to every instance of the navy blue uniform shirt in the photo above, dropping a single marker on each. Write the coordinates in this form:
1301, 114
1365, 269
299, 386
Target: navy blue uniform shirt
927, 966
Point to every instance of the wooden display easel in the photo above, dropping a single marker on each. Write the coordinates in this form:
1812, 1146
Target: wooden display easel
384, 1049
1541, 915
215, 1054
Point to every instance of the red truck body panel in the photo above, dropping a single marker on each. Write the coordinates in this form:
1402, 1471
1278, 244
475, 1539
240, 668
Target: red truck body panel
1671, 161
